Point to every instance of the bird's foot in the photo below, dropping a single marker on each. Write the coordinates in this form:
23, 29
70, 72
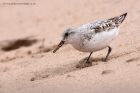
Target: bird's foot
84, 64
105, 59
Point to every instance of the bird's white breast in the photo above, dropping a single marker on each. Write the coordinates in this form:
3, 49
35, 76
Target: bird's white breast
99, 41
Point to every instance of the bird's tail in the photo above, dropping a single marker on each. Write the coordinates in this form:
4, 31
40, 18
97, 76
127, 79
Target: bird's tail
119, 19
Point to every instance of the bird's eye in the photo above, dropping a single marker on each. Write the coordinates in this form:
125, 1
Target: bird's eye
66, 34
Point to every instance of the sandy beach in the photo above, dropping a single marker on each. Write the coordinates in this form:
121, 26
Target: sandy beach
29, 33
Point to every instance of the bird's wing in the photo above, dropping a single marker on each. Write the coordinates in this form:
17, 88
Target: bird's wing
107, 25
94, 28
90, 29
118, 19
104, 25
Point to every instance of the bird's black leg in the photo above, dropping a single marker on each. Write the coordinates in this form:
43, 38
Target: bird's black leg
109, 51
87, 61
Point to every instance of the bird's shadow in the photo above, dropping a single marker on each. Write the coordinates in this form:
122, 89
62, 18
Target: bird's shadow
92, 59
66, 69
102, 59
91, 62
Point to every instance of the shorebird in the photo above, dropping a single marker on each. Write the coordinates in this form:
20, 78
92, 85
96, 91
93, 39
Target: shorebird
92, 37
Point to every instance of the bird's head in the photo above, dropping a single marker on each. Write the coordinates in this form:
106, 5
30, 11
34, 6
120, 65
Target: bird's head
66, 38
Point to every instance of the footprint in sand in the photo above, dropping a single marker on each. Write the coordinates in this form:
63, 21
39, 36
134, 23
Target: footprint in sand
10, 45
39, 77
4, 69
132, 59
106, 72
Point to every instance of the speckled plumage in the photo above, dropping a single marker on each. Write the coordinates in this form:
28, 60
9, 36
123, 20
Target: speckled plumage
94, 36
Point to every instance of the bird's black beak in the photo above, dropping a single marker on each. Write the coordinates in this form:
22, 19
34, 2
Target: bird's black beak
59, 45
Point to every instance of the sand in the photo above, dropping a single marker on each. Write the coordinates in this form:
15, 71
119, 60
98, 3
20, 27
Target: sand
29, 33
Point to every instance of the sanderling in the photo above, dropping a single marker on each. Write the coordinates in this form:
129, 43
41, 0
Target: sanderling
93, 37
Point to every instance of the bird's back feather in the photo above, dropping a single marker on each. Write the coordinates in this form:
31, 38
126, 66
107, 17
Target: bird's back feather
103, 25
